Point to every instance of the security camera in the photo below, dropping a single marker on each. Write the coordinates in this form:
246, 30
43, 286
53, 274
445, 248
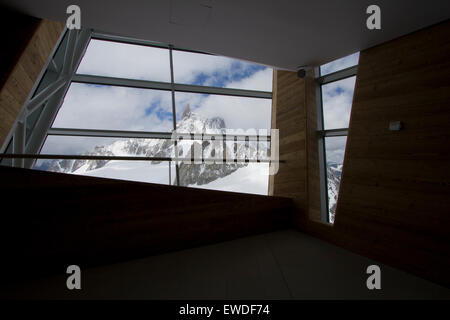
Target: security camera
301, 73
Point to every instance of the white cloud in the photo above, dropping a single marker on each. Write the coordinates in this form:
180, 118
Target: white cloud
113, 108
337, 103
335, 149
114, 59
260, 80
187, 65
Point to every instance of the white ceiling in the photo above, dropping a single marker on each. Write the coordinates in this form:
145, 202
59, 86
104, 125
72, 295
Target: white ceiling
280, 33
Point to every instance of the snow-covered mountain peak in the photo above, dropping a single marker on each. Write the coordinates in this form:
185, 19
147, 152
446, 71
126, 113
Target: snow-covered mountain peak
192, 122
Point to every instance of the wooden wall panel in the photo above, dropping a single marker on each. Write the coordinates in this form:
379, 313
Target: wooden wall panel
56, 220
295, 116
38, 41
312, 149
394, 201
395, 189
290, 181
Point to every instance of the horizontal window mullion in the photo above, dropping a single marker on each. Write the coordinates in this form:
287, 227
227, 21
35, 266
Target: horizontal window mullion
127, 40
116, 38
338, 75
145, 84
222, 91
333, 132
122, 82
108, 133
132, 158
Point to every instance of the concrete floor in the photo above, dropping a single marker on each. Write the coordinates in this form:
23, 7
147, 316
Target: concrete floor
279, 265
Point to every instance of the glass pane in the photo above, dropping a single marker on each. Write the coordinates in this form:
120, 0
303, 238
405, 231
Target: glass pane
340, 64
216, 71
123, 60
208, 113
335, 149
144, 171
337, 100
89, 106
243, 177
231, 176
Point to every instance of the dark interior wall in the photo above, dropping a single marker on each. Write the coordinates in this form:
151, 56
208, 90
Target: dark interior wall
24, 28
61, 219
394, 203
27, 43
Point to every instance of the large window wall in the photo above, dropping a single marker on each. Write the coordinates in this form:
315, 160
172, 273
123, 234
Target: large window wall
119, 100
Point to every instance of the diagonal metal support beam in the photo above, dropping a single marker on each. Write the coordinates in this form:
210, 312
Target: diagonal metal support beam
45, 94
69, 53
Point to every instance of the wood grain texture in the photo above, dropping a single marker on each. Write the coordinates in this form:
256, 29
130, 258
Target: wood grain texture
394, 200
395, 189
312, 149
61, 219
290, 120
295, 116
38, 40
394, 203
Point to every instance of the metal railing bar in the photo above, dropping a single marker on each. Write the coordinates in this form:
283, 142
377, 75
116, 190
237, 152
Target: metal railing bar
129, 158
151, 135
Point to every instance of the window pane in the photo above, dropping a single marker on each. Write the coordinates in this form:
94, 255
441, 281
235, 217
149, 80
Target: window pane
210, 113
337, 103
244, 177
88, 106
123, 60
340, 64
335, 149
144, 171
237, 177
216, 71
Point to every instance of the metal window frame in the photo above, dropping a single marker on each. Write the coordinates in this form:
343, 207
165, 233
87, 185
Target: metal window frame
53, 96
323, 133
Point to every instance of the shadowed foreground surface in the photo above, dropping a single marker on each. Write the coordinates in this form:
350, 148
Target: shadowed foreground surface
278, 265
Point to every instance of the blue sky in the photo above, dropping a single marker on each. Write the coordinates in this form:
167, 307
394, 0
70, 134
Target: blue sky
238, 72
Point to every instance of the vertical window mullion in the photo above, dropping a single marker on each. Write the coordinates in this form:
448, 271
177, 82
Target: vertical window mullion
321, 151
174, 113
